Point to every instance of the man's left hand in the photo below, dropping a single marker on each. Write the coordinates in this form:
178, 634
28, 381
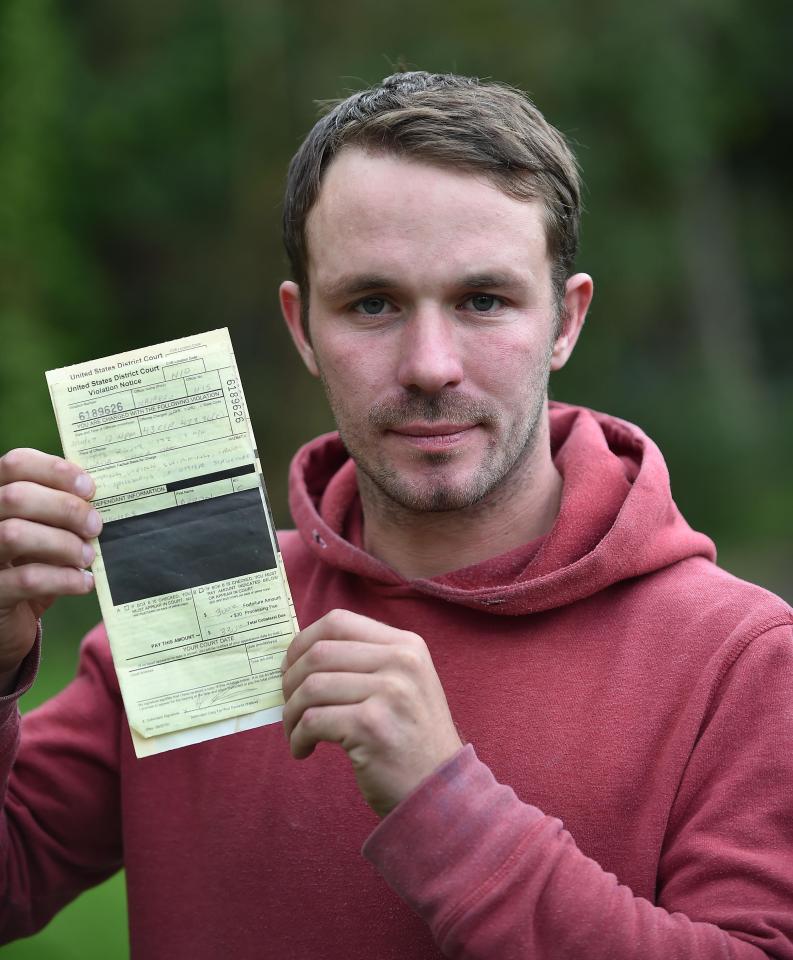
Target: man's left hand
374, 690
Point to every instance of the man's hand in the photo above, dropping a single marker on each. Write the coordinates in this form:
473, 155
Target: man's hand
45, 524
373, 689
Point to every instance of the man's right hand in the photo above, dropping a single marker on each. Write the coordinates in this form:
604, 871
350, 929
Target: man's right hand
45, 525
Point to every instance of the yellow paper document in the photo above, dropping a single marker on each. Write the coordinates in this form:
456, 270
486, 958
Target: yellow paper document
188, 572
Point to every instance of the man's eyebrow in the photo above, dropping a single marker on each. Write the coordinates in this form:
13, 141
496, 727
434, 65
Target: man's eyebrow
351, 286
499, 279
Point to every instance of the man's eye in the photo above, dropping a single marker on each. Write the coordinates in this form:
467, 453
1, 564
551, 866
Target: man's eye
484, 302
372, 306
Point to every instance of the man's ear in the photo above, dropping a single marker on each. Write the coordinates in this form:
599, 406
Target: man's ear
291, 308
577, 297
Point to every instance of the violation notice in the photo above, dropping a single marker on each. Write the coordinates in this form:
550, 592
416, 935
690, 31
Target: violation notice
188, 572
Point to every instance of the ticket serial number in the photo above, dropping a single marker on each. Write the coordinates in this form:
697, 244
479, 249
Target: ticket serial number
102, 411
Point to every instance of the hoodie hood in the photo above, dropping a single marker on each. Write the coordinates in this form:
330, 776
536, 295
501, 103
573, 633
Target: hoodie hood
617, 520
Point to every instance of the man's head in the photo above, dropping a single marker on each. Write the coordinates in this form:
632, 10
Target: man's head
460, 123
436, 257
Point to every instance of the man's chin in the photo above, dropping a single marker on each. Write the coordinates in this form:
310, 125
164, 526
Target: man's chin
438, 500
426, 495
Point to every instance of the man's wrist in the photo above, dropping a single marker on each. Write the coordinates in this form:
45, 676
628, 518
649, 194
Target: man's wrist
8, 681
17, 678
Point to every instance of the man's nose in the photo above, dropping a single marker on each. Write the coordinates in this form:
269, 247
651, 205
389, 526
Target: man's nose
430, 358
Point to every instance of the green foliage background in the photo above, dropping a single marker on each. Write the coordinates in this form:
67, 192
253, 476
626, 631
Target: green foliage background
142, 154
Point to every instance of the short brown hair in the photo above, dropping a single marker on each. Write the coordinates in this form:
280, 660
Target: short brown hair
452, 121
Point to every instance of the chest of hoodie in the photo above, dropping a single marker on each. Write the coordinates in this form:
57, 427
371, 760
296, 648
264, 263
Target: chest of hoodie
588, 711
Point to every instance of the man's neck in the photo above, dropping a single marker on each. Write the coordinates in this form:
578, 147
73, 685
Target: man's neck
421, 545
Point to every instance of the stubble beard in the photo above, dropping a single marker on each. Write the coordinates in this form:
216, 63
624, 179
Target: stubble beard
504, 464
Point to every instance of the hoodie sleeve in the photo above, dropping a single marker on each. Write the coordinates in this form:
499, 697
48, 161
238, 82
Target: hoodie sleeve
60, 828
496, 878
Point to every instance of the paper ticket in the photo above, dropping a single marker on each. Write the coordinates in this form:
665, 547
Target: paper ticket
188, 572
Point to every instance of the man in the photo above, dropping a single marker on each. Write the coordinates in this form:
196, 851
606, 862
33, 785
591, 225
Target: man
472, 565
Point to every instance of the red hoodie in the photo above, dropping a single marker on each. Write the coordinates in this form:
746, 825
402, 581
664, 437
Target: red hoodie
635, 698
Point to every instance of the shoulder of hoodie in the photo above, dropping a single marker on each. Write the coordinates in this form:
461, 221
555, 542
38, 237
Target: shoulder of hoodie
710, 587
711, 608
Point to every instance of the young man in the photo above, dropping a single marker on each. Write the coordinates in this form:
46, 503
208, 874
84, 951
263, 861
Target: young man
471, 565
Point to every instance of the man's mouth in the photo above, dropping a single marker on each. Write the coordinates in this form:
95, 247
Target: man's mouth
436, 434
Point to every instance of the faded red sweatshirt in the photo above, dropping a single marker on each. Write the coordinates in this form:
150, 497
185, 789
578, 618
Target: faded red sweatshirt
637, 701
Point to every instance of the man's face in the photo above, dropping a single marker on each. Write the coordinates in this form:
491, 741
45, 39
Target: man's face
433, 327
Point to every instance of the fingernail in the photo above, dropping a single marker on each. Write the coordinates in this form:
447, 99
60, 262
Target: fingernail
88, 554
93, 523
89, 579
84, 485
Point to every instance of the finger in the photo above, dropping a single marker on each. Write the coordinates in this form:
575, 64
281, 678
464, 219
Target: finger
328, 656
332, 723
38, 581
43, 468
326, 689
345, 625
24, 540
32, 501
